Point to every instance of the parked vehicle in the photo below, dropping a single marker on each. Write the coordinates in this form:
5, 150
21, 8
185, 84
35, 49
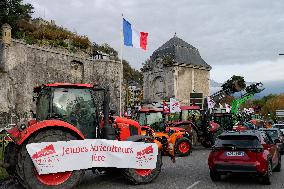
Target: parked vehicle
279, 126
70, 112
174, 140
244, 126
276, 135
247, 152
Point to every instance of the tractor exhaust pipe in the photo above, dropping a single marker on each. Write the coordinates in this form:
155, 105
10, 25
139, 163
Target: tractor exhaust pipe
108, 132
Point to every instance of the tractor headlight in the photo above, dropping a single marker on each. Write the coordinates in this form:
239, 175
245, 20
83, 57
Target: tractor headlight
186, 134
22, 127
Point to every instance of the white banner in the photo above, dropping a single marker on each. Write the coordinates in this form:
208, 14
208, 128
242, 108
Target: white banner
210, 102
61, 156
174, 106
228, 108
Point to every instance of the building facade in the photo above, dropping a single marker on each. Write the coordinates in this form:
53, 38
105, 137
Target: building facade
23, 66
176, 69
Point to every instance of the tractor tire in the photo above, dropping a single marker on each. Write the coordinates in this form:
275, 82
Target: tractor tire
143, 176
194, 138
183, 147
10, 157
206, 144
27, 173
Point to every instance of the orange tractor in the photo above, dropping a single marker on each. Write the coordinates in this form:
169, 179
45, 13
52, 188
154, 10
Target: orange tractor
174, 140
71, 112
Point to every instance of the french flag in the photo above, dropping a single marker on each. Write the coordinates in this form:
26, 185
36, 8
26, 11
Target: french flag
132, 37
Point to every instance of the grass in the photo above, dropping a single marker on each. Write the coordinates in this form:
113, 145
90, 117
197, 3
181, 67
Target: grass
3, 173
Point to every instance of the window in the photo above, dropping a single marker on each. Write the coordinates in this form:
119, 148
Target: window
238, 141
43, 101
77, 107
266, 138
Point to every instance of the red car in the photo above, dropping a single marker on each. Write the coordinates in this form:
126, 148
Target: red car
251, 152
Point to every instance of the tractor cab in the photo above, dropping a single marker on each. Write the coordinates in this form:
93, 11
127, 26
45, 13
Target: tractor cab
152, 118
77, 104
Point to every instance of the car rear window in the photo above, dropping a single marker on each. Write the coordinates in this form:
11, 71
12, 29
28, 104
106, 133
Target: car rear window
273, 134
238, 141
279, 126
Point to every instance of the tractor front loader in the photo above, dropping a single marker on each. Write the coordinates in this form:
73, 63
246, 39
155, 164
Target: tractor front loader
70, 112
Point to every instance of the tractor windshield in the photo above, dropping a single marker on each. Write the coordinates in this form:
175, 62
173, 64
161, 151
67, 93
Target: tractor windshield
76, 106
150, 118
192, 115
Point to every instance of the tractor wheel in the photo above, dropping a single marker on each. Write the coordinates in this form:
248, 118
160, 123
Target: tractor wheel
194, 138
143, 176
10, 157
183, 147
27, 173
206, 144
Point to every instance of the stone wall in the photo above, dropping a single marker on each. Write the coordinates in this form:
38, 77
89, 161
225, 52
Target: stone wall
184, 83
24, 66
174, 81
202, 81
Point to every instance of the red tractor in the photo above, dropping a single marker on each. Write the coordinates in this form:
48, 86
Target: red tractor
175, 140
70, 112
193, 120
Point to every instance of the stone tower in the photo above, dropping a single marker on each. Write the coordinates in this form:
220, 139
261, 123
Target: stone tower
176, 69
6, 41
6, 34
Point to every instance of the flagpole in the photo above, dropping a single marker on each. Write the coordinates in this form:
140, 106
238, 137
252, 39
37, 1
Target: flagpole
121, 68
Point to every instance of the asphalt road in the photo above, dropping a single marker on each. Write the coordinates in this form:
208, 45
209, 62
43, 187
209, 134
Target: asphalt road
187, 173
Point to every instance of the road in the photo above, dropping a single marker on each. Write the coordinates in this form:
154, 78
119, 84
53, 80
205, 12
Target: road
187, 173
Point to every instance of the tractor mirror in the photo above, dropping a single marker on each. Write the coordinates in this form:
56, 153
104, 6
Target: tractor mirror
33, 114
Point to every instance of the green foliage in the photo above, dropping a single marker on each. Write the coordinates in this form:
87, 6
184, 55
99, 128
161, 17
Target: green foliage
12, 11
81, 42
30, 40
268, 104
234, 84
131, 74
48, 34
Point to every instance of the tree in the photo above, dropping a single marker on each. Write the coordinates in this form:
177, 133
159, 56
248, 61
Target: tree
131, 74
12, 11
234, 84
273, 103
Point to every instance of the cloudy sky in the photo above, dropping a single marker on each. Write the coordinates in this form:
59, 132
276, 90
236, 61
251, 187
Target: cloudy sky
242, 37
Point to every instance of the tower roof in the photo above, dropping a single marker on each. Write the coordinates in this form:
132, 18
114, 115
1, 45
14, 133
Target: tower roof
181, 52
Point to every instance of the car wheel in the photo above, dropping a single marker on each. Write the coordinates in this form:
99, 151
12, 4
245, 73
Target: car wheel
278, 167
266, 178
215, 176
